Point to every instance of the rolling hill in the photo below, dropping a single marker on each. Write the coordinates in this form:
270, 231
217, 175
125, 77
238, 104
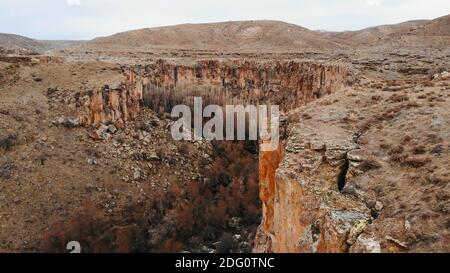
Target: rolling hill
260, 36
12, 41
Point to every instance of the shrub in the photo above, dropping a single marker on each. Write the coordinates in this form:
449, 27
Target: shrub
94, 231
227, 244
398, 98
428, 84
7, 142
397, 150
415, 162
6, 170
419, 149
370, 164
406, 139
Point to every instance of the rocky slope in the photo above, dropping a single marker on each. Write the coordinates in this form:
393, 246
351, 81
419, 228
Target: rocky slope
374, 34
436, 27
412, 34
11, 41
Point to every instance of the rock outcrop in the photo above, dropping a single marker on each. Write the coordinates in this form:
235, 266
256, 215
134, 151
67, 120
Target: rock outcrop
115, 103
365, 179
299, 184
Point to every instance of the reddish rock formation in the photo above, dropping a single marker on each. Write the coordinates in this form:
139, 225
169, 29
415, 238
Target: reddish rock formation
289, 84
268, 164
114, 104
353, 180
303, 209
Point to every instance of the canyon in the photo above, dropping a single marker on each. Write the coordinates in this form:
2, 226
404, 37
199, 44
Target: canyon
362, 166
301, 81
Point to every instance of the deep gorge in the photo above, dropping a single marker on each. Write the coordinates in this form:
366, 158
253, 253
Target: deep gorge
162, 85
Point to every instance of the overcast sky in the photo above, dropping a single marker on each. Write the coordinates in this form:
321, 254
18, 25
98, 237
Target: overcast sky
86, 19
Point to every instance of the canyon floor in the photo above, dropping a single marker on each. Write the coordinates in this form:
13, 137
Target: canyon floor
86, 152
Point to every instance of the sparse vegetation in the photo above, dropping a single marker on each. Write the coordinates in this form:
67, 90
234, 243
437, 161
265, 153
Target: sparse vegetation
419, 149
398, 98
7, 142
94, 231
183, 218
370, 164
415, 161
398, 155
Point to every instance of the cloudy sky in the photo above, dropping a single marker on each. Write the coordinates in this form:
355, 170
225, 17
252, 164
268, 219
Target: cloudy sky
86, 19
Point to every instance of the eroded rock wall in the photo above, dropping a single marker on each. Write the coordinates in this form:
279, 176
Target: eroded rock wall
288, 84
116, 104
303, 209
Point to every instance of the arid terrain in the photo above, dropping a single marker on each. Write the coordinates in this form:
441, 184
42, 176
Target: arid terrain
86, 152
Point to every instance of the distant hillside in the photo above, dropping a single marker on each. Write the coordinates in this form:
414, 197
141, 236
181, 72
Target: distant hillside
261, 36
436, 27
250, 36
12, 41
374, 34
419, 33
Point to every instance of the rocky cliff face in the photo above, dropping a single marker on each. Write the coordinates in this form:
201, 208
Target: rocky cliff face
303, 209
115, 104
289, 84
360, 171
